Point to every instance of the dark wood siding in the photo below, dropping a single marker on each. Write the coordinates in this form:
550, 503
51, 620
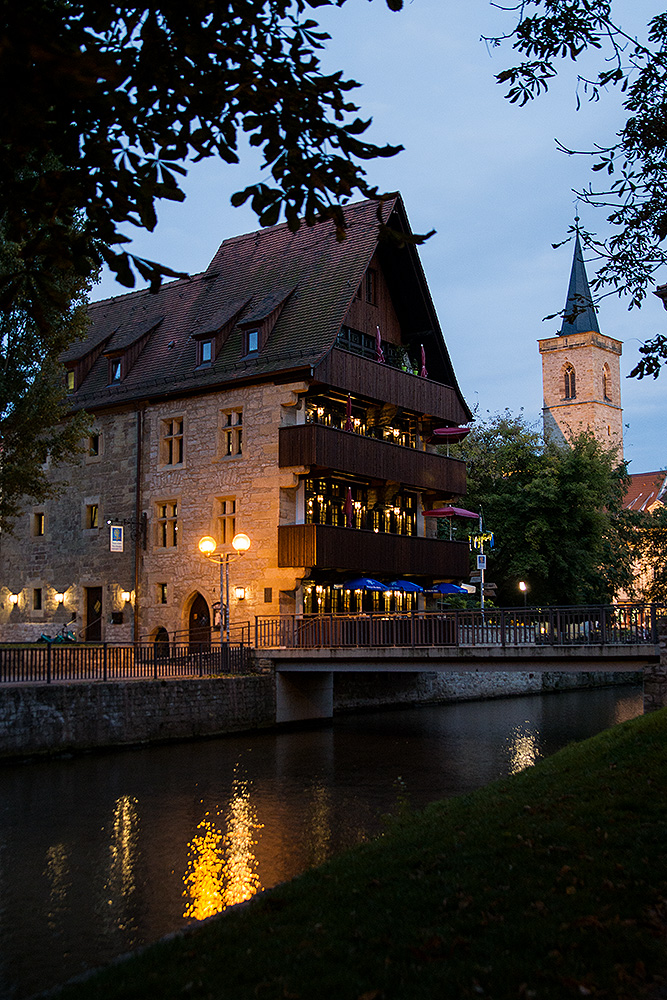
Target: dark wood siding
358, 375
327, 448
323, 547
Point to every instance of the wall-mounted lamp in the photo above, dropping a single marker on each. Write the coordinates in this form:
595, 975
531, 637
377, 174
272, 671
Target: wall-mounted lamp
239, 593
59, 598
13, 598
127, 596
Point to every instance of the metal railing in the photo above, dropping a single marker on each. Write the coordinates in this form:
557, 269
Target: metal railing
46, 663
623, 624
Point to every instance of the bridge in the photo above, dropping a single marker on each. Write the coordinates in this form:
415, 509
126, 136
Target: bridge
305, 651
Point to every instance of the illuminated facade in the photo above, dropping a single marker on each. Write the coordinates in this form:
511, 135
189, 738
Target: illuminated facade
289, 392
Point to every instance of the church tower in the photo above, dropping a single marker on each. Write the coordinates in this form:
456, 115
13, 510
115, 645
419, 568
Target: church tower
581, 374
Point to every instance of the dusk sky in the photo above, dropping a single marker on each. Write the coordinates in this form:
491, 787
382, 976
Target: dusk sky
486, 175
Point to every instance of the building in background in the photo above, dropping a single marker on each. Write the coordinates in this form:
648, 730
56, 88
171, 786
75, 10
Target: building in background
289, 392
581, 375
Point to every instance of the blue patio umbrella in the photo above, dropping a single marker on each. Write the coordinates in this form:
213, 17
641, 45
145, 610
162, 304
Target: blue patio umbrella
405, 585
364, 583
446, 588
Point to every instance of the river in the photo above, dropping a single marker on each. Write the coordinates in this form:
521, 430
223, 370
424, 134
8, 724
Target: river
102, 853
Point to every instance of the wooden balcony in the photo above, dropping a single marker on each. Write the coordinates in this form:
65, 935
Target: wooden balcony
325, 448
370, 380
324, 547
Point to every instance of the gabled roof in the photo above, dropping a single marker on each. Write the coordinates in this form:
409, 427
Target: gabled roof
646, 489
579, 313
307, 279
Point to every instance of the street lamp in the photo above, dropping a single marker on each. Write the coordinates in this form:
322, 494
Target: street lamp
207, 547
523, 587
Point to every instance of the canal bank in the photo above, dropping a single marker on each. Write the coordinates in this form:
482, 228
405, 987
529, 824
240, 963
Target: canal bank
78, 716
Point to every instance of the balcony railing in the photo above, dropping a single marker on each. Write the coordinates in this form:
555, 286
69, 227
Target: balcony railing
327, 547
314, 445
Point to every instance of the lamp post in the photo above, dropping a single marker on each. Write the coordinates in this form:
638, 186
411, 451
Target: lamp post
523, 587
207, 547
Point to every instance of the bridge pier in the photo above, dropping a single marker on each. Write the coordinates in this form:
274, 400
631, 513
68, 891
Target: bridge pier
655, 676
304, 695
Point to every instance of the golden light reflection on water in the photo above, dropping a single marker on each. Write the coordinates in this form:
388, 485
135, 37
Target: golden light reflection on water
121, 880
58, 875
523, 749
222, 867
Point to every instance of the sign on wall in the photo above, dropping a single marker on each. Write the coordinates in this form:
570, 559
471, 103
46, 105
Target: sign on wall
116, 537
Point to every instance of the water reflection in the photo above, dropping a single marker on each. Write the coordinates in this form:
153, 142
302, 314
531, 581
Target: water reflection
523, 749
222, 867
102, 854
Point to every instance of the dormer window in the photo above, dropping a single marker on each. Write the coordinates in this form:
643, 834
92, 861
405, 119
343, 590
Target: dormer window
252, 343
70, 381
115, 370
206, 352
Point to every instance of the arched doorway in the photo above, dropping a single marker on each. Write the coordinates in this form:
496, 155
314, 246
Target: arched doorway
199, 625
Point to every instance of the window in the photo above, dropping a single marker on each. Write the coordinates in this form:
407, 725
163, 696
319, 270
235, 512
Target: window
167, 524
162, 593
37, 599
253, 341
94, 446
172, 442
38, 523
71, 383
371, 286
92, 515
570, 384
227, 520
115, 369
232, 436
205, 349
268, 595
606, 380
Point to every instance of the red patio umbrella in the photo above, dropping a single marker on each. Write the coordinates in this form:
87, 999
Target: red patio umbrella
423, 371
348, 422
450, 512
379, 353
348, 508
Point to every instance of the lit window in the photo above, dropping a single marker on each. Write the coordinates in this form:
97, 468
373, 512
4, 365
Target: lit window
232, 437
167, 524
38, 523
227, 519
570, 383
253, 341
172, 442
70, 381
92, 515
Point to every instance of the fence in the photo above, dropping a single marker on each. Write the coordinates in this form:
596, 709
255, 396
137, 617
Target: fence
605, 625
79, 662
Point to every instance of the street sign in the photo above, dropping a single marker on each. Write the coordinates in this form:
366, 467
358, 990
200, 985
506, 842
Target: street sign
481, 562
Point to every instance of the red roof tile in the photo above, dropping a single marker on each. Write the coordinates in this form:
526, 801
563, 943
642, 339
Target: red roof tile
645, 490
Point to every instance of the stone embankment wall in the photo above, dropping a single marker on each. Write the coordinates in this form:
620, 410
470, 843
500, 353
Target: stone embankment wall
55, 717
363, 690
655, 677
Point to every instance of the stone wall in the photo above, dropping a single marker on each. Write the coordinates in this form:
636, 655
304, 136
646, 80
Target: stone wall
58, 717
364, 690
655, 677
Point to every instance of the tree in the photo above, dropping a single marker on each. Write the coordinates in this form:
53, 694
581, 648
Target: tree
555, 512
109, 101
635, 163
33, 403
647, 538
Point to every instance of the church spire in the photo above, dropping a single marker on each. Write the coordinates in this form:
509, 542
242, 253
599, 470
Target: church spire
579, 314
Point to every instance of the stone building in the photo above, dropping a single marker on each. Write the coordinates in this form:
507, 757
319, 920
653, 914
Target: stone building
290, 392
581, 370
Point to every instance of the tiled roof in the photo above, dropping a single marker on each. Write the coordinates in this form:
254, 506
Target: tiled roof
645, 490
310, 272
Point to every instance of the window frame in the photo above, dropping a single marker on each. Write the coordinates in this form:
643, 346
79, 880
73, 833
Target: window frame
231, 439
166, 524
172, 436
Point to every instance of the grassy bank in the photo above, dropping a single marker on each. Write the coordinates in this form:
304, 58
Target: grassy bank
549, 884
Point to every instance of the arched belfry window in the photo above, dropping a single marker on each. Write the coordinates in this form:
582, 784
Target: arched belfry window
570, 383
606, 382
